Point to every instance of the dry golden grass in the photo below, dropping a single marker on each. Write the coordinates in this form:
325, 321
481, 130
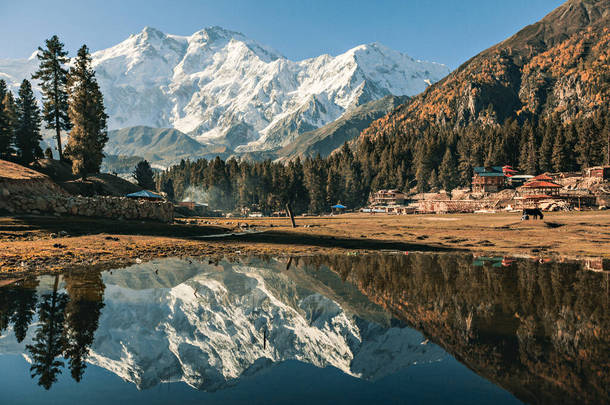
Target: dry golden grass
13, 171
27, 246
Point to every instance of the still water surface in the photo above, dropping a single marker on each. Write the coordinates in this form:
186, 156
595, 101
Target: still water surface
421, 328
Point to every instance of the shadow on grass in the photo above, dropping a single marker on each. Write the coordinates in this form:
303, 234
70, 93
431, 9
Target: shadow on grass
78, 226
296, 239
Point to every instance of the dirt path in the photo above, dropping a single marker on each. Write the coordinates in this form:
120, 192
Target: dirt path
50, 244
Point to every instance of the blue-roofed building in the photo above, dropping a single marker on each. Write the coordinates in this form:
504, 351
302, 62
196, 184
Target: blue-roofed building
488, 179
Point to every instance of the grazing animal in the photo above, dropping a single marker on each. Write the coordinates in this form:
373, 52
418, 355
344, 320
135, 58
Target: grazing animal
532, 212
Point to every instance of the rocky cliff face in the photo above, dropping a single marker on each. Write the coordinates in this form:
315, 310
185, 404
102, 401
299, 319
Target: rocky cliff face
556, 66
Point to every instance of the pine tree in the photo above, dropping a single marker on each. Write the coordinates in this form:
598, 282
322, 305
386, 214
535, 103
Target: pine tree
333, 188
167, 186
545, 154
422, 166
27, 130
53, 81
3, 89
143, 175
531, 165
86, 112
559, 160
433, 181
590, 146
448, 176
464, 166
6, 129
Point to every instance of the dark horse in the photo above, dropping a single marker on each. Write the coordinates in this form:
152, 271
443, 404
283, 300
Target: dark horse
532, 212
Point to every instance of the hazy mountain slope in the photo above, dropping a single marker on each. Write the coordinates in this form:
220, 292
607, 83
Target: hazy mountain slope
326, 139
558, 65
162, 145
223, 88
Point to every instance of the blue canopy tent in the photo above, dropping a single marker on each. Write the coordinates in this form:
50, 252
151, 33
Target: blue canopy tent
145, 194
338, 208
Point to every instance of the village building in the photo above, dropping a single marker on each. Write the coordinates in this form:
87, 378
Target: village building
199, 209
519, 179
542, 188
602, 172
488, 179
387, 197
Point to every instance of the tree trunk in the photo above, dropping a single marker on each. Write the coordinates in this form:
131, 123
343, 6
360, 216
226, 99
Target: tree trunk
58, 135
289, 211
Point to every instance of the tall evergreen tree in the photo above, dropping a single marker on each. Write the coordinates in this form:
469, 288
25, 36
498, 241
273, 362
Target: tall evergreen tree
3, 89
143, 175
531, 165
545, 154
590, 146
167, 186
53, 81
448, 175
559, 159
27, 129
86, 112
6, 129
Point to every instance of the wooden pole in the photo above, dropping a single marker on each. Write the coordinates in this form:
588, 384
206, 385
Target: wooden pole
289, 211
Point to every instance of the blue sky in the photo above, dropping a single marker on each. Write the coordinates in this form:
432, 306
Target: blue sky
445, 31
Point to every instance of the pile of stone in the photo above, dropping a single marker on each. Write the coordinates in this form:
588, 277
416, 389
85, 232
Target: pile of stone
101, 207
24, 191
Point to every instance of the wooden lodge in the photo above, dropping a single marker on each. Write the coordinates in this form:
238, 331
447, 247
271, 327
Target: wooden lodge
488, 179
387, 197
602, 172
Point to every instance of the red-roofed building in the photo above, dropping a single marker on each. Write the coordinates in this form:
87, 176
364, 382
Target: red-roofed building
543, 177
540, 187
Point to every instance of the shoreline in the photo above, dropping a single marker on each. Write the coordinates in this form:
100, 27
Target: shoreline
33, 245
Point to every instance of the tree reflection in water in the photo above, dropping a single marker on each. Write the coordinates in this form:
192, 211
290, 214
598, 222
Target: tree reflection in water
66, 322
540, 330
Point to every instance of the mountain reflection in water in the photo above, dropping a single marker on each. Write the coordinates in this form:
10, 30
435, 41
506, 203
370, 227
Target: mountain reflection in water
541, 331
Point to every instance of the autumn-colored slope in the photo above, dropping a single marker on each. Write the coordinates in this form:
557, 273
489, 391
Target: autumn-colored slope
558, 65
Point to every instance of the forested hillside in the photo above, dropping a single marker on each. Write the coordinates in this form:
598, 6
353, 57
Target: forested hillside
538, 100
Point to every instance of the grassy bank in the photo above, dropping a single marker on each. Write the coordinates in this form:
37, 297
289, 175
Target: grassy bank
48, 244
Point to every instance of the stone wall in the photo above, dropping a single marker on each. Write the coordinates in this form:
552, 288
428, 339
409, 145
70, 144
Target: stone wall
41, 196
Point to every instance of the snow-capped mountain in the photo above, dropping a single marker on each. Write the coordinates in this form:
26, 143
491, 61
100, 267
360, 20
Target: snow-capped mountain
208, 325
222, 88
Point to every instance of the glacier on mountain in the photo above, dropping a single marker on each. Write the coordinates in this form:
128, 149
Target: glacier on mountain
222, 88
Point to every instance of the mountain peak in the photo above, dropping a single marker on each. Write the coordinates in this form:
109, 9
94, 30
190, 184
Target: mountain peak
150, 32
216, 32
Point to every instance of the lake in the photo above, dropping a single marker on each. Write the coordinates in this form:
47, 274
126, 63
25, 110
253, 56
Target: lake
387, 328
